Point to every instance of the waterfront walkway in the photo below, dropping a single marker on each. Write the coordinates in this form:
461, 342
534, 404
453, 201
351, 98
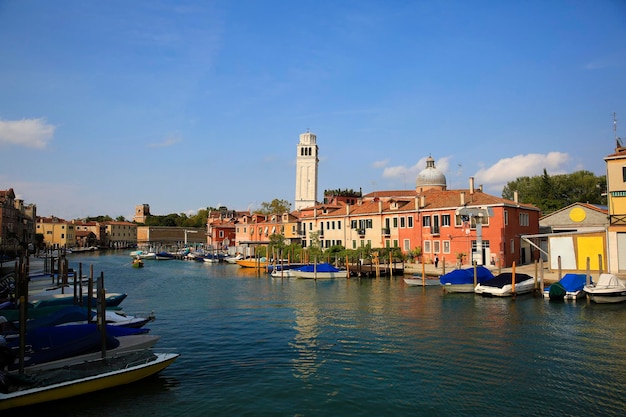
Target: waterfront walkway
549, 276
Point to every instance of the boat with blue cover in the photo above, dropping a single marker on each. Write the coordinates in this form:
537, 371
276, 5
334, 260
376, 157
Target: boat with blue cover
570, 287
317, 271
46, 344
462, 280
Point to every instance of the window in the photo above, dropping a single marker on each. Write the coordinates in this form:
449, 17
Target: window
512, 246
506, 217
410, 220
395, 222
395, 243
427, 246
523, 219
624, 174
464, 221
436, 248
407, 245
445, 220
426, 221
353, 224
435, 227
446, 246
403, 222
339, 224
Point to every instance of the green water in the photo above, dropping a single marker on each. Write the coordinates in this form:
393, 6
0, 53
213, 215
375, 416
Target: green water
257, 346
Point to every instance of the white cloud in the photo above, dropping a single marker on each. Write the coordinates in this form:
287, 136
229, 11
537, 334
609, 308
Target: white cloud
509, 169
380, 164
169, 141
401, 171
32, 133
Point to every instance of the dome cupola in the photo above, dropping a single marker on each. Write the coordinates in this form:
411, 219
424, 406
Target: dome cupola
430, 177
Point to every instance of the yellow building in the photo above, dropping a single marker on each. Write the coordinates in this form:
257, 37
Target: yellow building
56, 232
616, 198
119, 234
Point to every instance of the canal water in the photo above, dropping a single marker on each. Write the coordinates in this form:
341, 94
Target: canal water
252, 345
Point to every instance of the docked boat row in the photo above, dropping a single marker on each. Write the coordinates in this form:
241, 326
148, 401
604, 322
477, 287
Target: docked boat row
67, 342
480, 280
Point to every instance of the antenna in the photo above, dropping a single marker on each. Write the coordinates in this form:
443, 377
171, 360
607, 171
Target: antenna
618, 140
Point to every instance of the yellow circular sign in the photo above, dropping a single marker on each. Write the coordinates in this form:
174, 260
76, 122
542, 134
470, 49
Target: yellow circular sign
577, 214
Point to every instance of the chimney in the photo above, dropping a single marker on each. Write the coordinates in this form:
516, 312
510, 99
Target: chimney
480, 188
422, 201
471, 185
462, 198
347, 209
515, 197
380, 206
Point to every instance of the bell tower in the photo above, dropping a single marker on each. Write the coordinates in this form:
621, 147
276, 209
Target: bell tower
306, 171
142, 211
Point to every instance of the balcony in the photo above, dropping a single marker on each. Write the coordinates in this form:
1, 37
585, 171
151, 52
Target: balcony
361, 232
434, 230
386, 231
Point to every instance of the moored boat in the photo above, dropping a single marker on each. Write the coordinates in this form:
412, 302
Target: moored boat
570, 287
233, 258
502, 285
609, 289
164, 256
317, 271
252, 262
81, 378
462, 280
417, 280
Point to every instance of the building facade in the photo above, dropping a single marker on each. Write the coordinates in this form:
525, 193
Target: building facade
17, 222
56, 232
616, 198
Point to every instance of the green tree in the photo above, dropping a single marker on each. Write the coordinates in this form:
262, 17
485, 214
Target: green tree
276, 206
550, 193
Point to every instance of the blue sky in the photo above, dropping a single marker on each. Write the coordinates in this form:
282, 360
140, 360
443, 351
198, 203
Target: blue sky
188, 104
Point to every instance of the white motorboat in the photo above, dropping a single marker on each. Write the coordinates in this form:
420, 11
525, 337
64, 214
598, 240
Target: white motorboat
608, 289
233, 259
502, 285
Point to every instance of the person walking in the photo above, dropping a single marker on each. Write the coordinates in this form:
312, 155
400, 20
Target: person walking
436, 261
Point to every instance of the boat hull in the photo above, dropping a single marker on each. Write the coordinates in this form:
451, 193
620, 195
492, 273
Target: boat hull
317, 275
460, 288
86, 385
252, 263
609, 289
417, 282
607, 297
523, 287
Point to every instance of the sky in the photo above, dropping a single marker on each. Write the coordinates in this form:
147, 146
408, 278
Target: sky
184, 105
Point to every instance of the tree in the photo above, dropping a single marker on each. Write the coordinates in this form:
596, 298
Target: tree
275, 207
550, 193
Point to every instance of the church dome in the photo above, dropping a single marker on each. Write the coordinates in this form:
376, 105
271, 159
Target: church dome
430, 177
